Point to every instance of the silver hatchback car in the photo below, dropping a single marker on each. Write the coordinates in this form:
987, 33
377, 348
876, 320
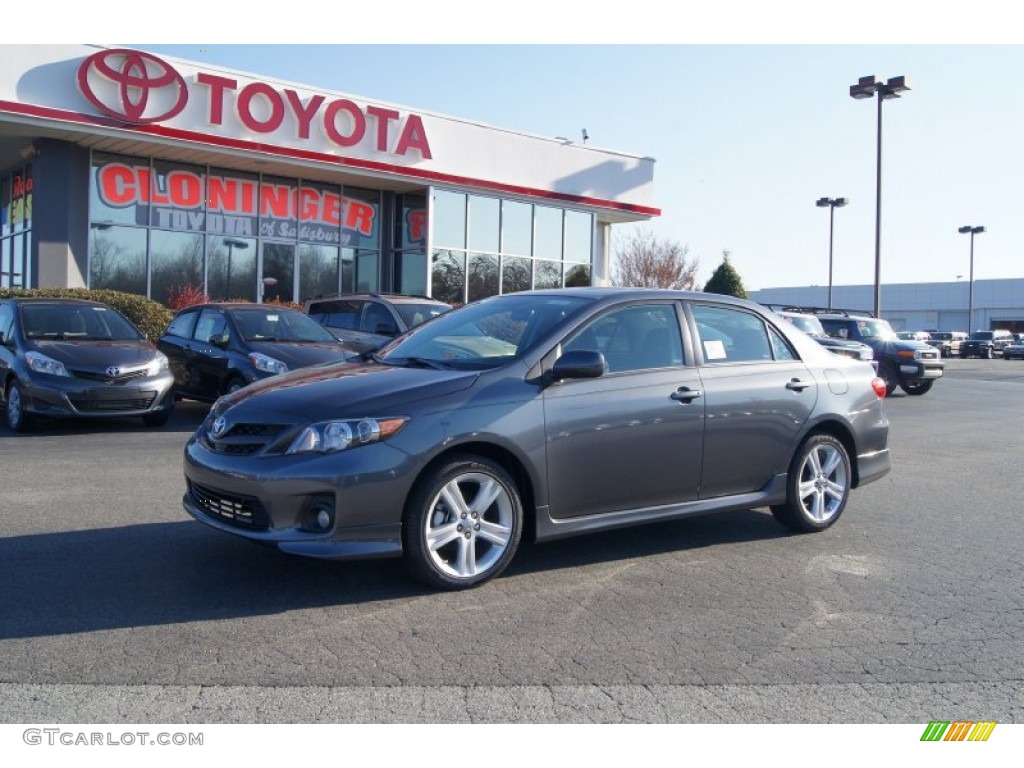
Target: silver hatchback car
543, 414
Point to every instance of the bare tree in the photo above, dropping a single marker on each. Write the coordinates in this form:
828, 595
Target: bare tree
644, 261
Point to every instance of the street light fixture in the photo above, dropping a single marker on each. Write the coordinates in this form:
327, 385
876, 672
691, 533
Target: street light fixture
865, 88
972, 231
232, 244
831, 204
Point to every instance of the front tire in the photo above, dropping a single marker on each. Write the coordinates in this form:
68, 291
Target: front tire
17, 419
462, 523
818, 485
157, 418
917, 387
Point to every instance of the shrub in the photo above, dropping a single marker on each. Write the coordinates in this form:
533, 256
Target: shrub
181, 296
149, 316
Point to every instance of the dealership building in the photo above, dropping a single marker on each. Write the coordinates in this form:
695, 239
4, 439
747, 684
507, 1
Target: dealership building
120, 169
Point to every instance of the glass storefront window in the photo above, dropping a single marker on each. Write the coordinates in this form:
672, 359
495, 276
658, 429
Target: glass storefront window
320, 213
5, 206
516, 228
278, 265
5, 263
119, 188
178, 197
449, 219
176, 261
578, 235
484, 223
232, 268
277, 209
367, 271
412, 273
232, 203
448, 277
117, 258
318, 271
548, 232
361, 218
577, 276
548, 274
483, 276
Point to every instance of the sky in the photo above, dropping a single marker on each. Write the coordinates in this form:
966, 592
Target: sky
746, 110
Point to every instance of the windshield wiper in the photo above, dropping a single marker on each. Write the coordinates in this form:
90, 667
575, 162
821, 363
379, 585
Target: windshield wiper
425, 362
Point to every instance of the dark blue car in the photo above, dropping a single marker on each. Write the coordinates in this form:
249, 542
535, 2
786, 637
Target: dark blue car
218, 348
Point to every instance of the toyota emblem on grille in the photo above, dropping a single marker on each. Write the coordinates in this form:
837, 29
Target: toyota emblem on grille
113, 371
219, 426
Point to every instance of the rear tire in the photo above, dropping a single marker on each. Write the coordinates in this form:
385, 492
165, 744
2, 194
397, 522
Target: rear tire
234, 384
818, 485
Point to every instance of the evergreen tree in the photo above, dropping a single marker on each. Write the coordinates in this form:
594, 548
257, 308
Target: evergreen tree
726, 280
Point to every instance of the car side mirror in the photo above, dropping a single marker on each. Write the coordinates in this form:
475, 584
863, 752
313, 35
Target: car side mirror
220, 340
579, 364
386, 329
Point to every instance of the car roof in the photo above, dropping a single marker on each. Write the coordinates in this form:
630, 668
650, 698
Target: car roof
395, 298
238, 305
56, 300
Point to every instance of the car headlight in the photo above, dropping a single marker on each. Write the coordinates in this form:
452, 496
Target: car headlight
43, 364
158, 366
267, 364
867, 354
332, 436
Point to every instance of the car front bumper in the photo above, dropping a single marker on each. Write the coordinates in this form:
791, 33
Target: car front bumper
273, 499
73, 397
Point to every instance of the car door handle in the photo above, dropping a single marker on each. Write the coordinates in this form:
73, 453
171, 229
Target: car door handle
685, 394
797, 385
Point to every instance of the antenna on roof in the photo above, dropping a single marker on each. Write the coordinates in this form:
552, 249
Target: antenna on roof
585, 135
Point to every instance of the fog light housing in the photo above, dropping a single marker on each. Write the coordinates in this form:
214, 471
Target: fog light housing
319, 515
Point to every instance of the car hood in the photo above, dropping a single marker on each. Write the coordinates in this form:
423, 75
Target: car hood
298, 355
828, 341
90, 354
342, 391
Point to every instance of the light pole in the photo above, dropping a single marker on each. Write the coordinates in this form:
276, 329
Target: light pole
865, 88
831, 204
232, 244
968, 229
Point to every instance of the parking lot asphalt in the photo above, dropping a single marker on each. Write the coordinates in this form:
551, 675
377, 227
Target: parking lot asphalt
117, 607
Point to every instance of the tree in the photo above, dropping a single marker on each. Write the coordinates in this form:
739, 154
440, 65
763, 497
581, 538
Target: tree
644, 261
726, 280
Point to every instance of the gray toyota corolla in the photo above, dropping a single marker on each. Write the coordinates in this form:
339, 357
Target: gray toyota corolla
549, 412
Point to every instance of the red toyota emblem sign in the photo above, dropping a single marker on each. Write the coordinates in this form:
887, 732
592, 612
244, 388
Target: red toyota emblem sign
132, 86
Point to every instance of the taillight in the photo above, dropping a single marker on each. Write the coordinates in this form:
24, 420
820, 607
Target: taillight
878, 384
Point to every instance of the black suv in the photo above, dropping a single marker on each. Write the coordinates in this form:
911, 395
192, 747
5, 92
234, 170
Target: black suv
986, 344
912, 365
366, 321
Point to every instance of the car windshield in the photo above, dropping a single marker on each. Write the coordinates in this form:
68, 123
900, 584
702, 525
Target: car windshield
279, 324
417, 314
84, 322
876, 329
484, 334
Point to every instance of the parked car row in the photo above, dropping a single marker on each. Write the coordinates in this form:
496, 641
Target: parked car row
71, 358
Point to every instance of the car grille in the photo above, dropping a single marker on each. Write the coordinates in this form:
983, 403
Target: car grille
930, 354
241, 511
124, 378
243, 439
105, 400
